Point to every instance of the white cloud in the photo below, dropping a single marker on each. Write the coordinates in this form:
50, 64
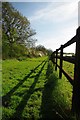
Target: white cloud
54, 42
40, 0
59, 15
63, 12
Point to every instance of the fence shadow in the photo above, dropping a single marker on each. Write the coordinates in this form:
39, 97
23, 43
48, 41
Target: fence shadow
19, 110
48, 111
6, 98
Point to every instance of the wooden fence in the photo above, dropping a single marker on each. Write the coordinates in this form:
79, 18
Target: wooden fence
58, 54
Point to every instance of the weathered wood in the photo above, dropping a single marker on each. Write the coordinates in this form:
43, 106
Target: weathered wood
61, 61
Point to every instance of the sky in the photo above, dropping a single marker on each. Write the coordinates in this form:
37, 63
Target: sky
55, 22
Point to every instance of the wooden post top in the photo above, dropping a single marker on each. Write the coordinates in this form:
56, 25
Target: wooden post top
78, 31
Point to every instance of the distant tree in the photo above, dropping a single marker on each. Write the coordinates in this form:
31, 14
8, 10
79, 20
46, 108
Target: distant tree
5, 46
15, 26
49, 51
41, 48
30, 43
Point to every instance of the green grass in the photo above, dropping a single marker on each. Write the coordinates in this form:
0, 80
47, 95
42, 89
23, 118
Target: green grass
0, 88
33, 91
69, 68
23, 82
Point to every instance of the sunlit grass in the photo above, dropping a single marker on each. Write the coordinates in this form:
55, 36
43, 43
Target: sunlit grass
33, 90
28, 91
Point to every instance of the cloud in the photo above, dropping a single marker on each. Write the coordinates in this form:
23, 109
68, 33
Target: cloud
54, 42
64, 11
64, 19
39, 0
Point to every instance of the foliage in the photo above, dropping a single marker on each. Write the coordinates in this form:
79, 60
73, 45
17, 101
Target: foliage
17, 41
41, 48
49, 52
16, 29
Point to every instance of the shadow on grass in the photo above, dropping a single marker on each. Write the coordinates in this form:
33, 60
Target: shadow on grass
6, 98
19, 110
48, 111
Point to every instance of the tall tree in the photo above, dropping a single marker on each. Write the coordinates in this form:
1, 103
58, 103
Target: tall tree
15, 26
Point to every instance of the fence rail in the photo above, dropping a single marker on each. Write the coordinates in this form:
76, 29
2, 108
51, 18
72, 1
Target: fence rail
74, 60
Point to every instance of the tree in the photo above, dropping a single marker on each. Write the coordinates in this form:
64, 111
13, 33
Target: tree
30, 43
49, 52
41, 48
15, 26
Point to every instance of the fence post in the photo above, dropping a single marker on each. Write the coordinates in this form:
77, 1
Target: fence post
56, 59
61, 61
76, 86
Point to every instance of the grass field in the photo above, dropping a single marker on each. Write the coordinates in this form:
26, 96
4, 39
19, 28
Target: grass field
33, 91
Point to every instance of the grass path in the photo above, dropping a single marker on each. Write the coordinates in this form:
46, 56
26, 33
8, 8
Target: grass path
32, 91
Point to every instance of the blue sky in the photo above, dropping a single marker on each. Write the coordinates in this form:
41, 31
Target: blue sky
54, 22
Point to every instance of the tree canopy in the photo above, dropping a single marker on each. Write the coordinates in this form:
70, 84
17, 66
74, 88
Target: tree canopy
15, 28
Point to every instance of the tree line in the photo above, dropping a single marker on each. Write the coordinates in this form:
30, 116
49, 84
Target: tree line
17, 34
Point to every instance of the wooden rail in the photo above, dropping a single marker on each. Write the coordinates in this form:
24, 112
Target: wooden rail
58, 54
